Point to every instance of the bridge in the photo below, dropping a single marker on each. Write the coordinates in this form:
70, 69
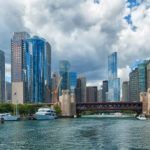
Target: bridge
109, 107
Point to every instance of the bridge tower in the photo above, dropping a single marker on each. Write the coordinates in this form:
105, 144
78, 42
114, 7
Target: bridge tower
68, 104
145, 99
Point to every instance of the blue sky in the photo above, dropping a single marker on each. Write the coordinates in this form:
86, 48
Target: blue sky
83, 32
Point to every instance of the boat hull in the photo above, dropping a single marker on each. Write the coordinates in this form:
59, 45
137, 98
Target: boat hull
44, 117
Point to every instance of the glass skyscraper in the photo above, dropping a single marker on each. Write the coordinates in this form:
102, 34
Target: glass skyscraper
2, 77
64, 67
37, 70
72, 80
113, 80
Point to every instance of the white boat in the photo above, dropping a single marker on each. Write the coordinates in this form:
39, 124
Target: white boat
9, 117
45, 114
141, 117
111, 115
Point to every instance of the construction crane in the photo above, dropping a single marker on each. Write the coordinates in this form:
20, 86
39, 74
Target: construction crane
55, 92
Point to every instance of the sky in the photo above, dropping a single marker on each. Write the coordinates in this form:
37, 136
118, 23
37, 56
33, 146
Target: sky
84, 32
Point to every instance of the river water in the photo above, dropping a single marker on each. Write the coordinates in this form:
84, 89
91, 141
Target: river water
76, 134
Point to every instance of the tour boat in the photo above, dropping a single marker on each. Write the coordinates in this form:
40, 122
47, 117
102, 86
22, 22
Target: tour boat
45, 114
9, 117
141, 117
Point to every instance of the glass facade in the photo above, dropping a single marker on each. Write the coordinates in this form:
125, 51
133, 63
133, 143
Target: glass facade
113, 81
17, 55
142, 70
37, 70
72, 80
134, 85
64, 67
2, 77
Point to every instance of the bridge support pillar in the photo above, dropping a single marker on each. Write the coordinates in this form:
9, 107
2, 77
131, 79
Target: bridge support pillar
68, 105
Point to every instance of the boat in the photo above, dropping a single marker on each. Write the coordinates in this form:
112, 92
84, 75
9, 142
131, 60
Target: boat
9, 117
141, 117
45, 114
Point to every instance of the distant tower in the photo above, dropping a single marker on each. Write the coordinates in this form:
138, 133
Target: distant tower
80, 91
64, 67
113, 80
125, 91
17, 61
2, 77
91, 94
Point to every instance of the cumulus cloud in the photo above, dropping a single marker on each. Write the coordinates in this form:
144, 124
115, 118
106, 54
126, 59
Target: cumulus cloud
83, 32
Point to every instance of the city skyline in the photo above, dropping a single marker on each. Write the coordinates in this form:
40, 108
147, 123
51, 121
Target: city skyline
85, 39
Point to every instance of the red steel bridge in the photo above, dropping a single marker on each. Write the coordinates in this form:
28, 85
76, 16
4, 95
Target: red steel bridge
109, 107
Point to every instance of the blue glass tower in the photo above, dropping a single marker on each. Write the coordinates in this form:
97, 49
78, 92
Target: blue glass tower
37, 69
64, 67
113, 80
72, 80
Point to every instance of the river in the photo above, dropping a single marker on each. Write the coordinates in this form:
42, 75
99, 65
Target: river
76, 134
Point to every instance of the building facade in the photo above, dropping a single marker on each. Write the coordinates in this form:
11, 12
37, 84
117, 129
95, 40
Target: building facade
80, 90
17, 60
37, 70
134, 85
2, 77
64, 67
104, 90
8, 92
91, 94
125, 91
142, 72
72, 81
113, 80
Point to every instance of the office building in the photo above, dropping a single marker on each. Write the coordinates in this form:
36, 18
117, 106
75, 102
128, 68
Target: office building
80, 90
37, 70
17, 61
8, 92
64, 67
72, 81
2, 77
104, 91
134, 85
125, 91
91, 94
100, 95
113, 80
142, 73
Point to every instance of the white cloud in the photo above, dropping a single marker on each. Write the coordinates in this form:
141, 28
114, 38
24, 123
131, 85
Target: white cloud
82, 32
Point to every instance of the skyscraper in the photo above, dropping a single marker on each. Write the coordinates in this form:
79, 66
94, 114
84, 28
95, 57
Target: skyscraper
17, 61
91, 94
125, 91
37, 70
80, 90
134, 85
17, 55
64, 67
142, 72
2, 77
104, 91
72, 81
113, 80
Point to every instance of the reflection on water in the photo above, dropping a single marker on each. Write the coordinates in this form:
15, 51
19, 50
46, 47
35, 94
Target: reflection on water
76, 134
